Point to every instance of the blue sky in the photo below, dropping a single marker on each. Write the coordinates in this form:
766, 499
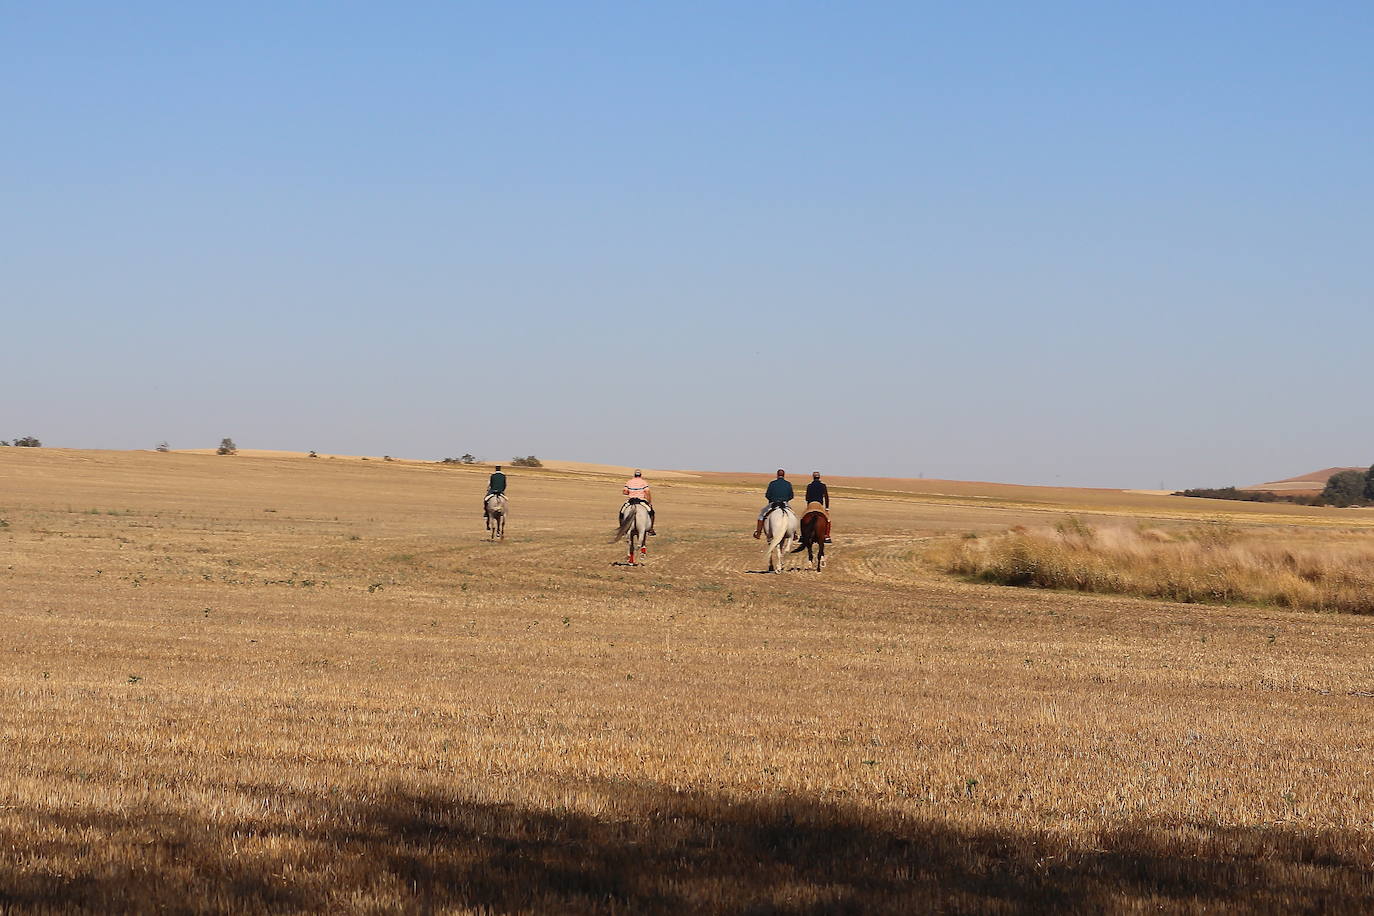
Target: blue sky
1084, 243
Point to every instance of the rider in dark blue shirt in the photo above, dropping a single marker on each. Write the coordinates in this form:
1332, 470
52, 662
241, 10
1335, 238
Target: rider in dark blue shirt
817, 491
779, 493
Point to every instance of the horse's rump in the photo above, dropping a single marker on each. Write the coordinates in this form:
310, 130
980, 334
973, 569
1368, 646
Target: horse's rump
815, 525
629, 514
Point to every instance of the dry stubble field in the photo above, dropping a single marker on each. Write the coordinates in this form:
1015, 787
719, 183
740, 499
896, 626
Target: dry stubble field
261, 684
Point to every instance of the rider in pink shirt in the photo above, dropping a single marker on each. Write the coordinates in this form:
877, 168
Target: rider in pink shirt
638, 488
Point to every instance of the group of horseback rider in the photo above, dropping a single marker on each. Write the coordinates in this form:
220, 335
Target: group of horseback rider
778, 495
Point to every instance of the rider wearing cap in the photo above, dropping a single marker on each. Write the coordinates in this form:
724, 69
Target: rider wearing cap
817, 493
637, 488
779, 493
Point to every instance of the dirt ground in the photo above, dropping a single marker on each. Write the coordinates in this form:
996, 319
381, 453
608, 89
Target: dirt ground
282, 684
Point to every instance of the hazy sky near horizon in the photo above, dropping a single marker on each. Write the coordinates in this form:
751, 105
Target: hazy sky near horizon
1082, 243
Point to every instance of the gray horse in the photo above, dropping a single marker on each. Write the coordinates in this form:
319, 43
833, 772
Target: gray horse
634, 525
780, 529
496, 506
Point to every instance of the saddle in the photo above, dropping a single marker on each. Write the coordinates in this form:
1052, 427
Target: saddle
817, 507
783, 506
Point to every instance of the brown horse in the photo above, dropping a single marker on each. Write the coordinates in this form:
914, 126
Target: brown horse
815, 528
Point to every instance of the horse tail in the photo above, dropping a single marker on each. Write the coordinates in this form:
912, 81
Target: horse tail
807, 526
625, 525
810, 532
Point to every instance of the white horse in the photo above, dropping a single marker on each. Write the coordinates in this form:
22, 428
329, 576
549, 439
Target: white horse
496, 507
634, 524
780, 529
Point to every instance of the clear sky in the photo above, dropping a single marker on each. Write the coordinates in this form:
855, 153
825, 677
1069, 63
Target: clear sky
1097, 243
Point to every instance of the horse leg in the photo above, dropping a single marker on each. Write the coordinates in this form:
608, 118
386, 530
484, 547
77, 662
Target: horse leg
777, 538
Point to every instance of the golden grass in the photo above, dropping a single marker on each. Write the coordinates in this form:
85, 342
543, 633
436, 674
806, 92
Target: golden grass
1217, 563
288, 685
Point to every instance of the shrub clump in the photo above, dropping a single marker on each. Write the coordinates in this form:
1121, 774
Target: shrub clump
227, 447
529, 461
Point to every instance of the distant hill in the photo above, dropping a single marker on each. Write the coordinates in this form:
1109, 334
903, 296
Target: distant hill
1304, 484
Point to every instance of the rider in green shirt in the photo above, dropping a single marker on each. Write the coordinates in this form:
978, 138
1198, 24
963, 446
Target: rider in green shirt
495, 486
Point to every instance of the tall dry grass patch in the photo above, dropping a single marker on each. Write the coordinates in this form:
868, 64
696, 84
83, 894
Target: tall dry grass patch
1216, 563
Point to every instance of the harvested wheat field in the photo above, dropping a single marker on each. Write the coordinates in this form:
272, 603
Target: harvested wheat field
281, 684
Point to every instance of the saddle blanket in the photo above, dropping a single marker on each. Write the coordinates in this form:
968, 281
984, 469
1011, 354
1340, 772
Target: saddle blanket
817, 507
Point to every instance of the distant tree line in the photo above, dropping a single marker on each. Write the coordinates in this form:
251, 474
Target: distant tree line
1343, 489
527, 461
1251, 496
22, 442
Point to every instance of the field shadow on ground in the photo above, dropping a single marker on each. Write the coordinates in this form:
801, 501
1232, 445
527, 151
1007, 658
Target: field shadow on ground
662, 852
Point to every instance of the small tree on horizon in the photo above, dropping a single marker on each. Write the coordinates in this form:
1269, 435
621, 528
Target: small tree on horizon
529, 461
472, 459
28, 442
1369, 484
227, 447
163, 447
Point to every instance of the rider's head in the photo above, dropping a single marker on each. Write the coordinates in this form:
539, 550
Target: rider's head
781, 472
638, 472
498, 467
816, 475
